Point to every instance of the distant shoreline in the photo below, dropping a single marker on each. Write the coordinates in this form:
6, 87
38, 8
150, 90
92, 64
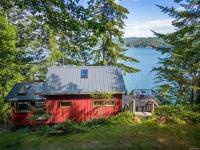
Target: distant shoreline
143, 47
143, 42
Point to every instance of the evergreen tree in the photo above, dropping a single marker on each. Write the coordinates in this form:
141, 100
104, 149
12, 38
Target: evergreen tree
48, 29
55, 54
69, 20
11, 60
108, 17
180, 69
30, 35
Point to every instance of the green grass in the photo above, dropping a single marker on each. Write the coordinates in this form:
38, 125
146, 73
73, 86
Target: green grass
136, 136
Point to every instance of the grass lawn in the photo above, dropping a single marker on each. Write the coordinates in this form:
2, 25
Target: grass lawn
137, 136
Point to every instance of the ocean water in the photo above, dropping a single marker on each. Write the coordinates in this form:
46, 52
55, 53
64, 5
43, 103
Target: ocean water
145, 79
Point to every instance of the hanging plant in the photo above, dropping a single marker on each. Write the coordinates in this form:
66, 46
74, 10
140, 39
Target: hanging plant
102, 95
40, 117
103, 99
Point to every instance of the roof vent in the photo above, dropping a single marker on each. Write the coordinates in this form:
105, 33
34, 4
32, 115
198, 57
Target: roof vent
84, 73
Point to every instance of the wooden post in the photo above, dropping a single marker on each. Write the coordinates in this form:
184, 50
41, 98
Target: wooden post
153, 108
133, 106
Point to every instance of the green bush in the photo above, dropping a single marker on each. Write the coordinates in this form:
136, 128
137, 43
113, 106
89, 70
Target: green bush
122, 118
70, 126
73, 127
43, 130
96, 122
38, 130
179, 113
195, 108
3, 131
39, 117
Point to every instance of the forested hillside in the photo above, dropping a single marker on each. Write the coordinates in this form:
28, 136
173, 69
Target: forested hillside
153, 42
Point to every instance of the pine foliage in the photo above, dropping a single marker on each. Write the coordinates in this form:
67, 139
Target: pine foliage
109, 23
180, 69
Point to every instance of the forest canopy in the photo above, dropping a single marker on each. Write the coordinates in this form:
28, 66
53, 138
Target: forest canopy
36, 34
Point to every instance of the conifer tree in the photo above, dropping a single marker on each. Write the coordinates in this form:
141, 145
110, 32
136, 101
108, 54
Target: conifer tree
109, 23
180, 69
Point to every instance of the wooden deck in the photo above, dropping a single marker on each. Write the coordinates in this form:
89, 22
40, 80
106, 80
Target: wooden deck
142, 106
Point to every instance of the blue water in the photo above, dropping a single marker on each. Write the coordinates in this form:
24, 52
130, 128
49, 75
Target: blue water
144, 79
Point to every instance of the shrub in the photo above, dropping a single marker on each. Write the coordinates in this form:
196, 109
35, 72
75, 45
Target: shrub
39, 117
178, 113
24, 130
3, 131
195, 108
43, 130
70, 126
97, 122
123, 118
102, 95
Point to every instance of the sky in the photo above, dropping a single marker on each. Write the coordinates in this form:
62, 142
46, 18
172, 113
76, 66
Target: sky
144, 16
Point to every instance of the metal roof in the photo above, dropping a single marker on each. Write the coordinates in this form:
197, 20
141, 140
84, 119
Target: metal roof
67, 80
33, 92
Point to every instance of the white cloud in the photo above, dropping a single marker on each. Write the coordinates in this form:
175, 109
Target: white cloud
143, 29
117, 1
180, 8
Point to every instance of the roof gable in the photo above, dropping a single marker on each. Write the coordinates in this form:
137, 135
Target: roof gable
67, 80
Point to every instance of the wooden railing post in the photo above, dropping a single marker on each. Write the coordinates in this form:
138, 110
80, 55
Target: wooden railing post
153, 108
133, 106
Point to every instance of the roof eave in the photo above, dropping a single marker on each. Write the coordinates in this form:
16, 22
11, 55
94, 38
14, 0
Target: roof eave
124, 92
13, 100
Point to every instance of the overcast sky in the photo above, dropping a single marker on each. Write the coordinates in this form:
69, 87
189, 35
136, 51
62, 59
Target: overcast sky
144, 16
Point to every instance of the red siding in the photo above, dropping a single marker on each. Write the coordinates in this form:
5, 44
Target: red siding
25, 118
82, 109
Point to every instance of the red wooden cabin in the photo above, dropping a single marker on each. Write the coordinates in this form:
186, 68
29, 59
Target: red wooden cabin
66, 94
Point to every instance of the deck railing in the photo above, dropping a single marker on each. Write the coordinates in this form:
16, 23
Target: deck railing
144, 94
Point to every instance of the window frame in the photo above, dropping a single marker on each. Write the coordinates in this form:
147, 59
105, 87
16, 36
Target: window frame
107, 105
17, 110
24, 89
84, 75
68, 101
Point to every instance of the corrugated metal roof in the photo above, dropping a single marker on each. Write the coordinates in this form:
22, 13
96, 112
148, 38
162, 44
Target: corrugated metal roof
67, 80
33, 92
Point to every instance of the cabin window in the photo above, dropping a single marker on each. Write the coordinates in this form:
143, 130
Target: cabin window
65, 104
84, 73
24, 89
104, 103
40, 107
23, 107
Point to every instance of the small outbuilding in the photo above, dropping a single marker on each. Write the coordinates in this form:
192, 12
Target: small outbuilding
68, 93
25, 99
